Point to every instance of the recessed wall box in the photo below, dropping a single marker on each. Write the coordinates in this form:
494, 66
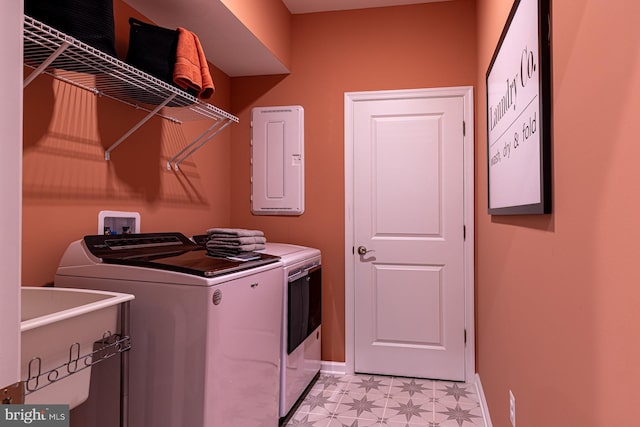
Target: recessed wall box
116, 222
277, 160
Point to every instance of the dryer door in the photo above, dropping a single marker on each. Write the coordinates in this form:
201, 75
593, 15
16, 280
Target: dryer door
304, 308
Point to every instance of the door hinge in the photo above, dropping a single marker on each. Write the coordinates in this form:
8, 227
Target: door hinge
464, 232
353, 250
465, 336
464, 128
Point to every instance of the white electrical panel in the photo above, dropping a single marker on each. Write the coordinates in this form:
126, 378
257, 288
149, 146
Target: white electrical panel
277, 160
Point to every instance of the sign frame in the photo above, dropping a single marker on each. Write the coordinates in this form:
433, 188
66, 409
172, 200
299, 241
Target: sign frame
519, 113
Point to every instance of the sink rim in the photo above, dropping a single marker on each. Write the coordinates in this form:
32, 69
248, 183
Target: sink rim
114, 298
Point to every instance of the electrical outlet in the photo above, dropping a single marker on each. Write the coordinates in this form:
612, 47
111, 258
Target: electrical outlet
512, 408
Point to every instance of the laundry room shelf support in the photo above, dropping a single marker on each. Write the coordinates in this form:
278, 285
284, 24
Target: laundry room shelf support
107, 153
205, 137
45, 64
51, 52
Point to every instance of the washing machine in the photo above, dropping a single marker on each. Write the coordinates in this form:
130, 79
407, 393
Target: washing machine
205, 331
301, 321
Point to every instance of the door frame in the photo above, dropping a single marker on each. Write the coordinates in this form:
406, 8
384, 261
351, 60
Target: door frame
11, 193
350, 98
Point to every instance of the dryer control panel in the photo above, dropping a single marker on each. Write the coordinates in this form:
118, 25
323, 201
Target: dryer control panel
138, 245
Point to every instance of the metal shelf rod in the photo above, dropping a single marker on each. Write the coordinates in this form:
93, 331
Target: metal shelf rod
35, 73
207, 139
107, 153
195, 141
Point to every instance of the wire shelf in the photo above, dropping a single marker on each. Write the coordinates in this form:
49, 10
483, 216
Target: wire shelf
49, 51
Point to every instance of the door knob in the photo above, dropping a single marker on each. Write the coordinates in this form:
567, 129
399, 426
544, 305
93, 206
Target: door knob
363, 250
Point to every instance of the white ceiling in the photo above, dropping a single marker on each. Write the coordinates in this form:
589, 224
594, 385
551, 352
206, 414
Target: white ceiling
226, 41
309, 6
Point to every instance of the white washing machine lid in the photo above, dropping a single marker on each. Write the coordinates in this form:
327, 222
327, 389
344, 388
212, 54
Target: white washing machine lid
158, 258
290, 254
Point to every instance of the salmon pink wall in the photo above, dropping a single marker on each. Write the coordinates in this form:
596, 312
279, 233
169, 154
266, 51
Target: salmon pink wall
66, 180
427, 45
558, 295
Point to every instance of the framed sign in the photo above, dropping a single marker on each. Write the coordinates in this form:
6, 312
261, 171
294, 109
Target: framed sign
519, 113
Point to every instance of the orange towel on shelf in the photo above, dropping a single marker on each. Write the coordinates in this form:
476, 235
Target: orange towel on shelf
191, 70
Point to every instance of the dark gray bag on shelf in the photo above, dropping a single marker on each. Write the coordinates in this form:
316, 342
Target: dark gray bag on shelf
152, 49
90, 21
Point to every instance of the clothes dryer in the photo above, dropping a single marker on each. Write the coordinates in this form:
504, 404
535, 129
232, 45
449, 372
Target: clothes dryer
301, 320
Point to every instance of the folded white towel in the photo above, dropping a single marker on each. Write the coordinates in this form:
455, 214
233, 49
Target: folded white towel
239, 232
222, 253
229, 239
212, 245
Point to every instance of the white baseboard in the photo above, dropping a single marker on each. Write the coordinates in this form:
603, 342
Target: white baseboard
333, 368
483, 403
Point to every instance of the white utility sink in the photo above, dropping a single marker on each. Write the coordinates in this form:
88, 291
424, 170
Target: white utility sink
53, 320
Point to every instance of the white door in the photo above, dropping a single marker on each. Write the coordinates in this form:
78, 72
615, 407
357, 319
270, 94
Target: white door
408, 236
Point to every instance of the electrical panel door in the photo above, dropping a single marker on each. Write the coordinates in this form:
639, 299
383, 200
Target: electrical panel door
277, 160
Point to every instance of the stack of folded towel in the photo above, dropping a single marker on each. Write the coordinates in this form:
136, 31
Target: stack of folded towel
233, 241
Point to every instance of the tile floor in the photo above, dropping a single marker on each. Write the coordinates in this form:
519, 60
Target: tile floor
366, 400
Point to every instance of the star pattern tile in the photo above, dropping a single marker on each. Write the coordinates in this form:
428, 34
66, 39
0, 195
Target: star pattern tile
331, 382
456, 392
413, 388
460, 415
372, 400
409, 410
320, 402
361, 405
371, 383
